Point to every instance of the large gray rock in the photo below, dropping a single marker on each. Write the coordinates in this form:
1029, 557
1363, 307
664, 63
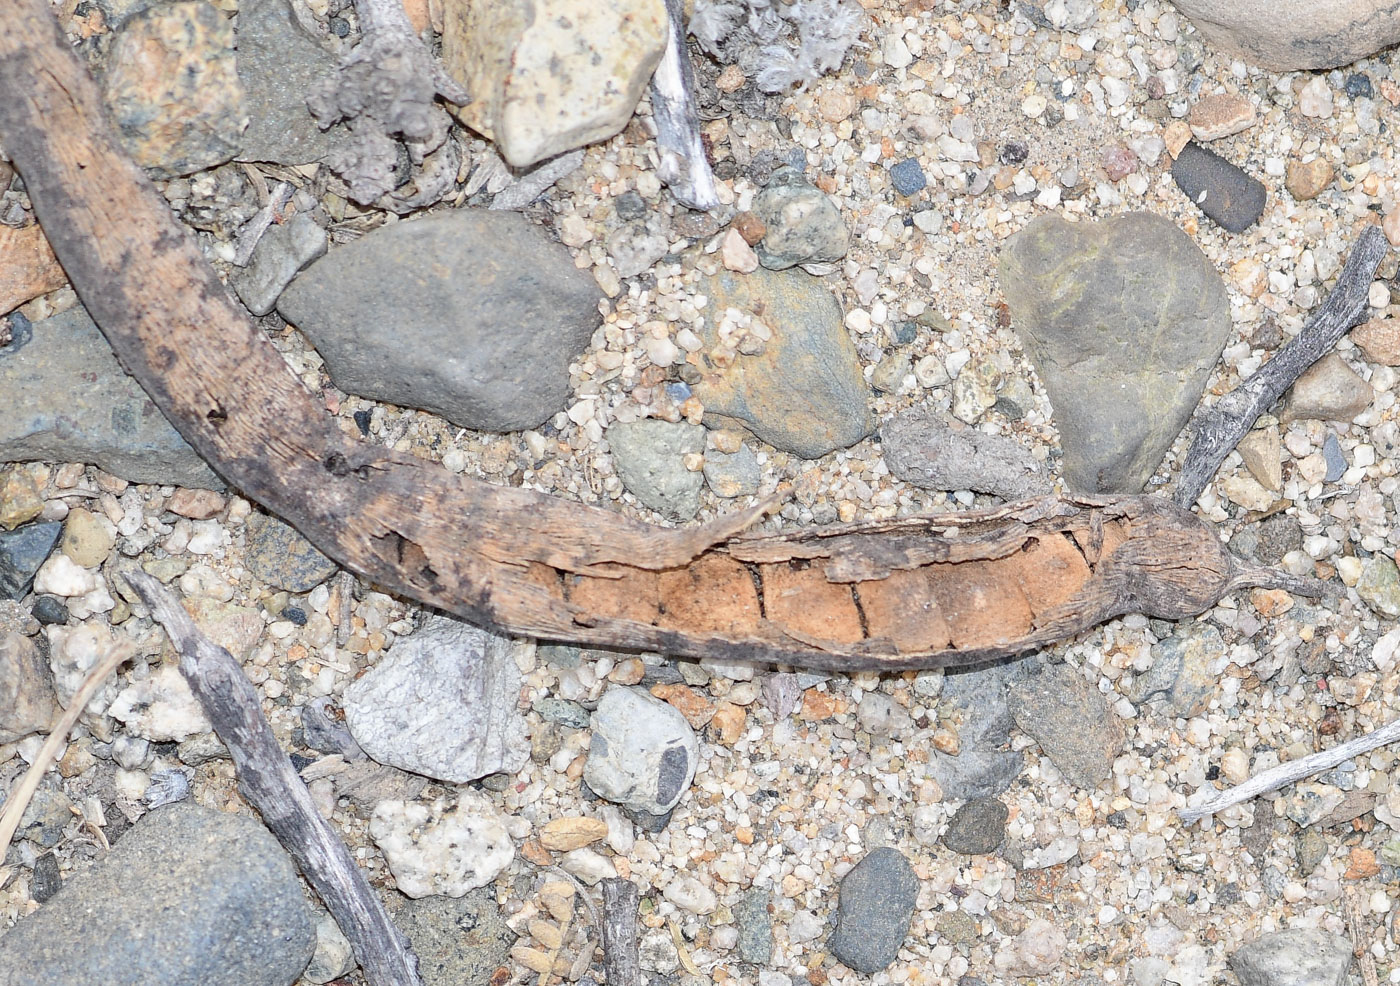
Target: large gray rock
459, 941
643, 753
1285, 35
649, 456
801, 390
1295, 957
189, 895
470, 314
1070, 720
442, 702
1124, 320
922, 448
279, 65
68, 400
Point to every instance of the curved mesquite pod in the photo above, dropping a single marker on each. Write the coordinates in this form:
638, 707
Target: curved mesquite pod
919, 592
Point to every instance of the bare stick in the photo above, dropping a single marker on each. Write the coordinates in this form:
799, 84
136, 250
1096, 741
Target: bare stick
1294, 770
19, 800
620, 957
270, 783
250, 234
1221, 429
683, 166
1356, 923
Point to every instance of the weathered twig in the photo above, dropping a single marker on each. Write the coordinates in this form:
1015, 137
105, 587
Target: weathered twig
1356, 931
18, 799
270, 783
621, 963
1294, 770
683, 166
1219, 431
253, 231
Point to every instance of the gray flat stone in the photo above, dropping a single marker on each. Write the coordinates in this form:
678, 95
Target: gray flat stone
281, 253
1226, 193
68, 400
470, 314
1295, 957
189, 895
877, 904
1070, 720
649, 455
1124, 320
924, 449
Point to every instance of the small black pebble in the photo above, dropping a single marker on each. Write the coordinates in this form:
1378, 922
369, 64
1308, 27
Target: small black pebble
1358, 85
1118, 820
362, 422
340, 27
301, 762
630, 205
295, 615
47, 880
1212, 772
1013, 152
50, 610
1191, 898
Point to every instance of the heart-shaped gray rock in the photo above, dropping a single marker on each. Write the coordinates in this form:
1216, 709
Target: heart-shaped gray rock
1124, 320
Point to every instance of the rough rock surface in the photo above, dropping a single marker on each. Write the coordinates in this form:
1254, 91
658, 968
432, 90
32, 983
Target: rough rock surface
1285, 35
26, 689
546, 78
470, 314
1225, 192
801, 223
278, 555
188, 895
643, 753
649, 455
68, 400
22, 551
442, 702
281, 253
1089, 300
804, 392
1070, 720
922, 448
459, 941
1294, 957
877, 904
173, 89
437, 849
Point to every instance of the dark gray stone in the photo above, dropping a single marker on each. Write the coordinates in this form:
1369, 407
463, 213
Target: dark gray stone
1295, 957
279, 65
1070, 720
45, 817
976, 701
188, 896
755, 926
922, 448
803, 225
649, 455
27, 701
805, 392
877, 904
49, 610
47, 879
1336, 461
1182, 678
1233, 199
470, 314
976, 828
68, 400
326, 732
1124, 320
459, 941
280, 254
730, 475
276, 554
22, 551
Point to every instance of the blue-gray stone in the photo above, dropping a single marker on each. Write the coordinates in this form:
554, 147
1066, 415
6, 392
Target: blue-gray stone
189, 895
22, 551
281, 557
1336, 461
977, 828
1070, 720
908, 177
984, 766
803, 225
755, 926
563, 712
877, 904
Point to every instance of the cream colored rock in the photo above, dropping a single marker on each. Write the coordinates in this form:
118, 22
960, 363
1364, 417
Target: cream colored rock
1263, 457
1285, 35
551, 75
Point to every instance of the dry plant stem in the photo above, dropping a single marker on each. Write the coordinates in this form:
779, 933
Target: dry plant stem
1356, 924
1220, 430
249, 236
270, 783
621, 962
1294, 770
683, 167
931, 591
19, 798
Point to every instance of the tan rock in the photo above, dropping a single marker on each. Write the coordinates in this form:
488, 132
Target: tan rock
1221, 115
731, 79
1379, 339
1176, 136
551, 75
87, 539
835, 105
19, 498
1306, 180
1390, 226
728, 722
565, 834
697, 709
195, 504
737, 255
1286, 35
1247, 492
1263, 457
28, 267
1330, 391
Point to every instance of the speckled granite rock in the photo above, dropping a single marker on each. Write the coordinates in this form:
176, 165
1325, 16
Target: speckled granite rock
1293, 957
801, 390
1285, 35
1124, 320
188, 895
68, 400
470, 314
459, 941
550, 77
649, 456
173, 88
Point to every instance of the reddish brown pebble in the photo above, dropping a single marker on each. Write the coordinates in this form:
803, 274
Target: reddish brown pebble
1307, 180
28, 267
697, 709
1220, 116
1361, 865
1379, 339
731, 79
195, 504
750, 227
1119, 162
820, 705
536, 853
